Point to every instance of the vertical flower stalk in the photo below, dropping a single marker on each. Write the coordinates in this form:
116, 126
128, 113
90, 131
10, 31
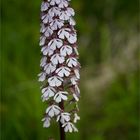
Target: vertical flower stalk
59, 65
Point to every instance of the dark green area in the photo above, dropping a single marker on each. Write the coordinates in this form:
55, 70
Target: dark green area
107, 38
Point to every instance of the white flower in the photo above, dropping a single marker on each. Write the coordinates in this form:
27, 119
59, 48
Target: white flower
47, 51
43, 28
46, 121
72, 21
57, 58
64, 32
42, 40
70, 12
47, 93
50, 68
64, 16
63, 71
72, 38
76, 92
43, 16
56, 24
76, 71
63, 4
63, 117
53, 2
53, 110
55, 81
46, 18
77, 89
43, 61
42, 76
61, 95
66, 50
74, 80
76, 118
69, 127
72, 62
44, 6
48, 90
76, 51
75, 97
48, 32
55, 43
54, 11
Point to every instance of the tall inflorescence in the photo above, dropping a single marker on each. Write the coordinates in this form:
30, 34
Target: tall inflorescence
59, 64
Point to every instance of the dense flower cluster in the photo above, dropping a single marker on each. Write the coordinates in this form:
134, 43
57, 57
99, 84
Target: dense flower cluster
59, 65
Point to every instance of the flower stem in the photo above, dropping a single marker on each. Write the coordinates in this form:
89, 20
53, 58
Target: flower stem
62, 133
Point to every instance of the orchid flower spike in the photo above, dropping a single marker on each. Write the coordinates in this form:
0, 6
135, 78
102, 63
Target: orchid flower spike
59, 64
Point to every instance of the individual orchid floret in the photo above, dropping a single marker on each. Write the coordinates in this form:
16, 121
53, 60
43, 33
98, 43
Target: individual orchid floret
61, 95
53, 2
75, 97
63, 4
64, 32
55, 43
42, 40
55, 81
72, 38
72, 21
46, 121
63, 71
47, 51
72, 62
56, 24
48, 32
54, 11
46, 18
43, 61
74, 80
44, 6
57, 59
70, 12
76, 51
76, 71
69, 127
49, 68
47, 93
66, 50
67, 14
53, 110
63, 117
75, 92
76, 118
43, 28
42, 76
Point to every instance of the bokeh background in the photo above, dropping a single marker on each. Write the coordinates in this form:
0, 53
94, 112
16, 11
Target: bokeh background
108, 46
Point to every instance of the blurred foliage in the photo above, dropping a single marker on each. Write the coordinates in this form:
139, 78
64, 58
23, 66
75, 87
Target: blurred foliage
108, 46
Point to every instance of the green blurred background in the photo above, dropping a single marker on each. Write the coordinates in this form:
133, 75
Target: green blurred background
108, 46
